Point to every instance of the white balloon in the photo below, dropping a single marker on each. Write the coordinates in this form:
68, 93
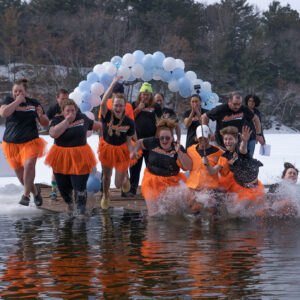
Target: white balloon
97, 88
76, 96
196, 82
137, 70
105, 63
169, 64
128, 59
173, 86
179, 63
96, 100
191, 75
111, 69
76, 90
99, 69
90, 115
157, 74
124, 71
206, 86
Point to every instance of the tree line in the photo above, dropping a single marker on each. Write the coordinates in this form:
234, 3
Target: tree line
231, 44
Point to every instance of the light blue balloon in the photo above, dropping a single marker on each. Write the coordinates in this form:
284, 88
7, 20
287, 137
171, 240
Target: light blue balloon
158, 58
84, 86
177, 73
86, 97
92, 77
185, 92
204, 96
147, 76
138, 55
93, 184
184, 83
166, 76
147, 61
86, 106
117, 61
106, 80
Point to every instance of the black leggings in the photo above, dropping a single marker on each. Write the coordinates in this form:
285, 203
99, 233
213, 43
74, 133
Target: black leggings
67, 183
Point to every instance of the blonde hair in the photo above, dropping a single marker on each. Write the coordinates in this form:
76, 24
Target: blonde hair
151, 102
112, 117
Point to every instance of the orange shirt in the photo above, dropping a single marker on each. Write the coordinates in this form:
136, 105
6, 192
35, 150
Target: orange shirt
128, 109
199, 177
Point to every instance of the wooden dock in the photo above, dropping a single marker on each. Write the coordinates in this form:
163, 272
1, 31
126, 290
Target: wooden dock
136, 203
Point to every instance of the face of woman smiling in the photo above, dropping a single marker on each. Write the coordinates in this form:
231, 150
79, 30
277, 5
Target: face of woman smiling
230, 142
251, 103
118, 107
165, 139
291, 175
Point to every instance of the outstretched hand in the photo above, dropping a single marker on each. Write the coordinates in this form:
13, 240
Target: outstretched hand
116, 79
246, 133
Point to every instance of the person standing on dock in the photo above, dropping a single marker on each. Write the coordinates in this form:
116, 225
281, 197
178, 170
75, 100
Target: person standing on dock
21, 142
115, 144
235, 114
168, 113
71, 158
165, 159
55, 111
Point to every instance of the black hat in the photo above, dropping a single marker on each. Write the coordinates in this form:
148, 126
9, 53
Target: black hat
118, 88
245, 170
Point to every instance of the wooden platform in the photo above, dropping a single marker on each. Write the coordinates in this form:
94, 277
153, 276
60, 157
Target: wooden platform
136, 203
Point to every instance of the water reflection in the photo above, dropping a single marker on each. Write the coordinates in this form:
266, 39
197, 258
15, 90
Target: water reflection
121, 255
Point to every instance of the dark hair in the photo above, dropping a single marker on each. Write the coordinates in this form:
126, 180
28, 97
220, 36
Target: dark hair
69, 102
234, 94
165, 124
62, 91
162, 95
256, 100
22, 81
118, 88
287, 166
197, 96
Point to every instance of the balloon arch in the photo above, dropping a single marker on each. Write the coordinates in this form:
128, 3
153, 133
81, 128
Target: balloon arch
144, 67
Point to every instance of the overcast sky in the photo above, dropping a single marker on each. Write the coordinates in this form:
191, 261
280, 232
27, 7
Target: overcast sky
264, 4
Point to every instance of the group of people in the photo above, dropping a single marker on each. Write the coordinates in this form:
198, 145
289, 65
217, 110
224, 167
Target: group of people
131, 133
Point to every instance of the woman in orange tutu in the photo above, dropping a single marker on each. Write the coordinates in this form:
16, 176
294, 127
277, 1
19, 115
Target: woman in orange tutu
164, 162
238, 170
71, 158
115, 144
21, 143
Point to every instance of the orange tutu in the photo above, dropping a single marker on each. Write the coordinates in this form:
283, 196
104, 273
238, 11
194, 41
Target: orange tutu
114, 156
17, 154
227, 181
254, 194
154, 185
71, 160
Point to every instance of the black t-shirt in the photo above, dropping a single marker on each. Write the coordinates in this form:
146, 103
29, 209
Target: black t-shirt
126, 128
53, 111
168, 113
145, 121
227, 117
161, 162
75, 135
209, 151
21, 126
191, 133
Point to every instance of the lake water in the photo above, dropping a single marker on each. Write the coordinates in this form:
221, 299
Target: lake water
126, 255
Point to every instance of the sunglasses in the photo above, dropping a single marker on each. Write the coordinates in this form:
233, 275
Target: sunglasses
167, 138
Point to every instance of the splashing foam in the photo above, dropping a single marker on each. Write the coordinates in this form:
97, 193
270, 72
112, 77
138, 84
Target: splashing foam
10, 195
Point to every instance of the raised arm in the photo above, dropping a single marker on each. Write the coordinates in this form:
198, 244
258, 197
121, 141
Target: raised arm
245, 136
107, 94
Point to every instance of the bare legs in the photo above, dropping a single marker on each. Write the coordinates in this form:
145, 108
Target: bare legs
26, 176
